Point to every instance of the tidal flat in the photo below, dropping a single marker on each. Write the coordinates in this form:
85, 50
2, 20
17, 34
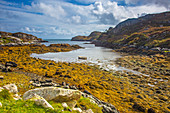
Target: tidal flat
126, 91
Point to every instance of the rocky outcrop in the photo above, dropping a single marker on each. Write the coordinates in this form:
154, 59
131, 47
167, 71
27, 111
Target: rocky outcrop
80, 38
39, 100
12, 88
93, 36
107, 107
13, 39
55, 94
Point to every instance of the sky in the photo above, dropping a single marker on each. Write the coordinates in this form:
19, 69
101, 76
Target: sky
57, 19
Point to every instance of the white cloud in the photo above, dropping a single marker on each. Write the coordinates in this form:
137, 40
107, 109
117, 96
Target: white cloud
58, 18
112, 13
165, 3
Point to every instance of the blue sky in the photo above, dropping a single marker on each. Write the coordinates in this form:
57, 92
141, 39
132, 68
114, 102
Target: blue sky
68, 18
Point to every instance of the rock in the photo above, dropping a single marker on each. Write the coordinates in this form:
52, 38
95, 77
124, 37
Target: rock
77, 109
158, 91
1, 88
73, 87
87, 92
150, 110
7, 69
72, 104
55, 93
88, 111
66, 87
138, 107
49, 81
17, 97
0, 104
109, 109
64, 105
63, 84
139, 96
11, 64
39, 100
46, 84
1, 77
82, 57
12, 88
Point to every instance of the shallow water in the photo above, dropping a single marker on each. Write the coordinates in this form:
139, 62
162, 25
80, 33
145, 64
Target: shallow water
104, 57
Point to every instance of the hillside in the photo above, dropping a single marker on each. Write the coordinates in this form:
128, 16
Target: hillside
18, 38
149, 32
93, 36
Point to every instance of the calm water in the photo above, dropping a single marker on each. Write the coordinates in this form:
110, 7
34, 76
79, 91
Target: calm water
104, 57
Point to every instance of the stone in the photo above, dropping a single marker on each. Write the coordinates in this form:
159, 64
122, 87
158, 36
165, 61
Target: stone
1, 77
72, 104
0, 104
12, 88
87, 92
73, 87
88, 111
39, 100
150, 110
77, 109
63, 84
54, 93
64, 105
1, 88
17, 97
138, 107
82, 57
66, 87
11, 64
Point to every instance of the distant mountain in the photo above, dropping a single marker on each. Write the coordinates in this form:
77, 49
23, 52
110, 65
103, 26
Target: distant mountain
93, 36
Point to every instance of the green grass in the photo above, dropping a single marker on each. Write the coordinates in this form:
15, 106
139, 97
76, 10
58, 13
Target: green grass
9, 105
85, 104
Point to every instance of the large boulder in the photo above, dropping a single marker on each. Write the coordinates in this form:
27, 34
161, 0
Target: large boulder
39, 101
55, 94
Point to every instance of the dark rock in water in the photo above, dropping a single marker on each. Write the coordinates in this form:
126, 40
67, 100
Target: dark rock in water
11, 64
150, 110
85, 91
138, 107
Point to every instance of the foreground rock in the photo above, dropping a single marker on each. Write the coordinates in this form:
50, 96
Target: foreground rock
12, 88
39, 101
56, 94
